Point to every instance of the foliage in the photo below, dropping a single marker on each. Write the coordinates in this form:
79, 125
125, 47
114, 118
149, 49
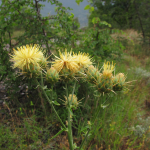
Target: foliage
120, 13
99, 43
123, 14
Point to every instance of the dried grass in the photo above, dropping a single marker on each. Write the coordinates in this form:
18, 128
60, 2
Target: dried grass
129, 34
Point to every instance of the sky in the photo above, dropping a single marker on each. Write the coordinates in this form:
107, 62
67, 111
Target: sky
77, 10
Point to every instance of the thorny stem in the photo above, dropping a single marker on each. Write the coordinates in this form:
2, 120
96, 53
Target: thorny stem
50, 102
42, 102
70, 137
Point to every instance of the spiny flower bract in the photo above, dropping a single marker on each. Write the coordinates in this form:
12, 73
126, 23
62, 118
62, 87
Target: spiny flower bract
66, 75
104, 84
119, 82
92, 74
52, 75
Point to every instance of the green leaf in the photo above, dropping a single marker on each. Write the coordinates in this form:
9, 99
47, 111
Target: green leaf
71, 16
45, 87
36, 86
104, 106
74, 146
57, 134
90, 1
91, 9
95, 20
104, 23
56, 8
87, 7
31, 103
79, 1
55, 103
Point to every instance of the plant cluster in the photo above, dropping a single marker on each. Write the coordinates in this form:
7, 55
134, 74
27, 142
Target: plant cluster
68, 66
51, 33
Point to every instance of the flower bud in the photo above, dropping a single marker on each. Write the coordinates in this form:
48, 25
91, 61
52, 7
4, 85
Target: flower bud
104, 84
73, 100
31, 70
118, 82
52, 75
66, 75
92, 74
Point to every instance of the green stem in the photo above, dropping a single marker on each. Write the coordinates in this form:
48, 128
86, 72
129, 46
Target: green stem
70, 137
51, 104
42, 102
73, 91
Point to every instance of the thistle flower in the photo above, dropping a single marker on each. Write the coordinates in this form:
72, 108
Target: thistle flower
52, 75
26, 57
83, 60
104, 82
108, 69
119, 82
66, 60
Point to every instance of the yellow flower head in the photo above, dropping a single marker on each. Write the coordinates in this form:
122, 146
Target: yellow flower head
83, 60
108, 69
66, 60
27, 56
